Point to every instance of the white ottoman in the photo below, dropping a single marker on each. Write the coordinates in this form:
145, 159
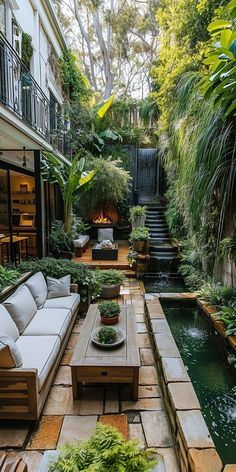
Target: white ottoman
81, 244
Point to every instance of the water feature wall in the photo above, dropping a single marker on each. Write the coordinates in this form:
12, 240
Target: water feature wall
147, 174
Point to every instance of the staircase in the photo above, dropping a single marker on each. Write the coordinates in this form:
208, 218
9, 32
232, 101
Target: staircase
162, 250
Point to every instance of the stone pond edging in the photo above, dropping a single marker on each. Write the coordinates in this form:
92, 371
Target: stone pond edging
195, 448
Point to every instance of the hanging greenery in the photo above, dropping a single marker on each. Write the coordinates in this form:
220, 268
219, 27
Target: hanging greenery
26, 48
74, 82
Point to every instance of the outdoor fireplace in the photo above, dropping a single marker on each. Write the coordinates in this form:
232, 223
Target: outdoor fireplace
105, 217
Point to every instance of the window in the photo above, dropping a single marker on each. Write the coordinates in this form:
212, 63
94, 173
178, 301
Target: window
2, 17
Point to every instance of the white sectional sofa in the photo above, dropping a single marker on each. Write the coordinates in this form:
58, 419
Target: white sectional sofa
40, 328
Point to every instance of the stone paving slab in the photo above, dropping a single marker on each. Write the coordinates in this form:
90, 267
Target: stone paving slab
146, 356
230, 468
149, 391
13, 433
174, 370
182, 396
47, 434
166, 346
160, 327
136, 432
156, 429
91, 401
76, 428
167, 460
63, 376
57, 400
147, 375
141, 328
143, 340
143, 404
66, 358
193, 429
111, 399
204, 460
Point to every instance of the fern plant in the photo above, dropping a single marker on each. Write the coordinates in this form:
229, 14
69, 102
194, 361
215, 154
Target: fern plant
105, 451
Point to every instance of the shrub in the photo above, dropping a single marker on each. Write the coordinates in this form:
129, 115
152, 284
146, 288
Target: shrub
227, 314
7, 277
110, 277
106, 450
140, 234
109, 309
137, 211
218, 294
107, 335
80, 274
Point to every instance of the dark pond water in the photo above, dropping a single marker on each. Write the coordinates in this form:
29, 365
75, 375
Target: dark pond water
213, 378
164, 284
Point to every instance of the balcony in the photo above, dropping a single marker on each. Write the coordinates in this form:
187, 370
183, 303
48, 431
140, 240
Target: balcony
20, 92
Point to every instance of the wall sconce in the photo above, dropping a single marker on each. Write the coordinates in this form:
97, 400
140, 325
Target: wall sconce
25, 160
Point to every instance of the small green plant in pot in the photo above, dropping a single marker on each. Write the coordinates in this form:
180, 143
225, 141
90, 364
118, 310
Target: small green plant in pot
110, 312
137, 215
107, 335
110, 281
140, 239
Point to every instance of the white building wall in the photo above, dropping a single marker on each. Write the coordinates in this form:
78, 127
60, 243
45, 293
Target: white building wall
33, 18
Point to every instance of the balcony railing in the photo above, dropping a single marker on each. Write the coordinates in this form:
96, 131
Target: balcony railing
20, 92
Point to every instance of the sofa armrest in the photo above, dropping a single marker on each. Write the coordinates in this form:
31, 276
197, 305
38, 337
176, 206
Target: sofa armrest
74, 288
19, 393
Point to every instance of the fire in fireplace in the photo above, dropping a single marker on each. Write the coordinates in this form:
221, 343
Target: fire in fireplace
107, 217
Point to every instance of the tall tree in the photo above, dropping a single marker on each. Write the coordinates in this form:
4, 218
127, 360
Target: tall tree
115, 41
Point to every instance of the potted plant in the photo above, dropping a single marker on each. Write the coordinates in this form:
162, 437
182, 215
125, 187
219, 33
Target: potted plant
109, 312
107, 335
138, 215
139, 238
105, 450
110, 281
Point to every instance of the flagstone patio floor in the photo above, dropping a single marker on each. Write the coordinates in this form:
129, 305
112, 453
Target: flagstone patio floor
66, 420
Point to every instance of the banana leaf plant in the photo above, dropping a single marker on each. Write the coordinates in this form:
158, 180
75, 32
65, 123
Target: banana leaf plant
71, 178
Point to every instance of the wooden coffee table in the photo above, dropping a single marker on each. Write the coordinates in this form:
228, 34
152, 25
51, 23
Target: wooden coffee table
93, 364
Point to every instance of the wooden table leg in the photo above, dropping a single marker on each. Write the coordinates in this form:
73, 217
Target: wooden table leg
135, 384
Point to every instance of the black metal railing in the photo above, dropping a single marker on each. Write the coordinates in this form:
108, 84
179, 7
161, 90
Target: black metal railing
20, 92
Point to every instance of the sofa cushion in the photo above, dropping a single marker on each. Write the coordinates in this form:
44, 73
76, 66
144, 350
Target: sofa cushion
105, 233
9, 353
71, 302
38, 288
21, 307
58, 287
39, 352
49, 321
7, 325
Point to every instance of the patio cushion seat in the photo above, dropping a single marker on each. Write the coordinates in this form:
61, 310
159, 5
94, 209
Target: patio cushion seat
38, 288
71, 302
49, 321
21, 306
39, 352
7, 325
81, 241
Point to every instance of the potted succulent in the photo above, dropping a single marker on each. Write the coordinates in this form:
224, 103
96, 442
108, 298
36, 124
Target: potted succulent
107, 335
138, 215
109, 312
140, 239
110, 281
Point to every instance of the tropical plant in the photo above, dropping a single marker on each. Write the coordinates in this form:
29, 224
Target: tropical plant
57, 268
26, 48
140, 234
218, 294
227, 314
109, 309
137, 211
60, 241
107, 335
8, 277
220, 83
228, 248
110, 277
106, 450
79, 226
72, 179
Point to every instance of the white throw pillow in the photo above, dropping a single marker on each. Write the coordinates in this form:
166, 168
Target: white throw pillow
7, 325
105, 233
21, 307
58, 287
10, 355
38, 288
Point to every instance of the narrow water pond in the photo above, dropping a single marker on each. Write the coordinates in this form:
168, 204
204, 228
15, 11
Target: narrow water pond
164, 284
214, 380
